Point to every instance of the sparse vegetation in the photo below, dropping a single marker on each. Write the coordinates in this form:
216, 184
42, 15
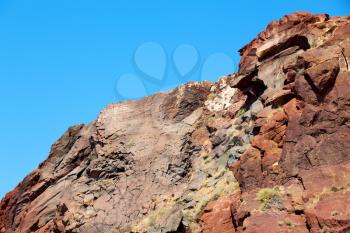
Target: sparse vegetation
334, 213
211, 118
207, 160
211, 96
130, 145
241, 112
217, 183
219, 173
154, 217
324, 229
335, 189
225, 186
290, 224
269, 198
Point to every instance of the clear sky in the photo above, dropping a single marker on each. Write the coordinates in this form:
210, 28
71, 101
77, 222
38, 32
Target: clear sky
63, 61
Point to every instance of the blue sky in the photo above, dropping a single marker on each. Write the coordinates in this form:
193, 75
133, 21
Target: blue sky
60, 61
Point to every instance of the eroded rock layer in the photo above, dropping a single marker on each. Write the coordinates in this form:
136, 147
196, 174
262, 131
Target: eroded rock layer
266, 149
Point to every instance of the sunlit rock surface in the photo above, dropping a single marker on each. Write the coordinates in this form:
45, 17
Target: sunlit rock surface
266, 149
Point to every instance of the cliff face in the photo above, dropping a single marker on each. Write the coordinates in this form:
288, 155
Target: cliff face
264, 150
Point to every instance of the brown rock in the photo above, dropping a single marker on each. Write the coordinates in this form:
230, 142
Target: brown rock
323, 75
249, 173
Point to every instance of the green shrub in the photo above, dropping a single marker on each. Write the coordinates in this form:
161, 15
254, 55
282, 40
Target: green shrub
290, 224
270, 197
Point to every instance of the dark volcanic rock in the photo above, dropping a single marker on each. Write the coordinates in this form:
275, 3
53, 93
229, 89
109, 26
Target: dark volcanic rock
166, 163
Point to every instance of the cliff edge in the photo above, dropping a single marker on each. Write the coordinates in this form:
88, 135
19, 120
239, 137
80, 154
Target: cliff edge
264, 150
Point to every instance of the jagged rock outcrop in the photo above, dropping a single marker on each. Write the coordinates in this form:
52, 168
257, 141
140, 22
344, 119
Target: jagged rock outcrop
264, 150
297, 162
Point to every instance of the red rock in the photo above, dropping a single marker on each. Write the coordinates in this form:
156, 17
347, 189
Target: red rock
217, 216
275, 222
143, 164
292, 109
263, 144
342, 32
330, 213
314, 133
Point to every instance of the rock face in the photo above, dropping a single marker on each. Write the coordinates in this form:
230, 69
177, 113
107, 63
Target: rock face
264, 150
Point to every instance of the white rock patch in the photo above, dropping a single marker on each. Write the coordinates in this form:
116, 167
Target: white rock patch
222, 100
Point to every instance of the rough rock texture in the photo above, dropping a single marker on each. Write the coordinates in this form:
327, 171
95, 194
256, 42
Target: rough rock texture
264, 150
296, 167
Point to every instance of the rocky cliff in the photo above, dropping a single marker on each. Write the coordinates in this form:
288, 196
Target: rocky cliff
264, 150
